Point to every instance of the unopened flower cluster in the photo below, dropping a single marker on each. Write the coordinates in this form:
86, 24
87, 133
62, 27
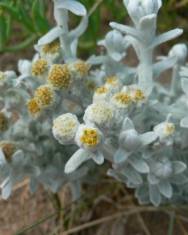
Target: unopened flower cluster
62, 118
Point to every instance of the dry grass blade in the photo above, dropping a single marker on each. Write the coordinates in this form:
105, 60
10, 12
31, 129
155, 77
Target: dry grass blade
109, 218
142, 223
94, 7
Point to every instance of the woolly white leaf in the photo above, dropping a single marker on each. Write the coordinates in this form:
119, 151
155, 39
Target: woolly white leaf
72, 5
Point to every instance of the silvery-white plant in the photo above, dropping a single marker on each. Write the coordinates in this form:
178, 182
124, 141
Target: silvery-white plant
61, 117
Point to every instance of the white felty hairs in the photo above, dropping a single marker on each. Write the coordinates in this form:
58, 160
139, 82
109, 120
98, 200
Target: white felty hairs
61, 115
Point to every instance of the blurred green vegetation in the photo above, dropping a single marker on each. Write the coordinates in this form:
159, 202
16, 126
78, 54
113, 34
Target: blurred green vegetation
22, 22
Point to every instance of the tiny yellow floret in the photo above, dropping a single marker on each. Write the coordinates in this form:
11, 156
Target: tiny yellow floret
59, 76
138, 95
82, 67
122, 98
39, 67
113, 80
101, 90
44, 95
90, 137
169, 129
51, 48
33, 107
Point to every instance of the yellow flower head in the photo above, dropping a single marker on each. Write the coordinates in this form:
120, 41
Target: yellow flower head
51, 48
8, 149
90, 137
113, 80
122, 99
44, 95
138, 95
39, 67
59, 76
82, 68
169, 129
3, 122
101, 90
33, 107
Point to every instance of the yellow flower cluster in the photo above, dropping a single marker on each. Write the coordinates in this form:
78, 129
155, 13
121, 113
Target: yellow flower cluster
101, 90
43, 97
33, 107
138, 95
39, 67
122, 98
51, 48
59, 76
82, 68
169, 129
113, 80
90, 137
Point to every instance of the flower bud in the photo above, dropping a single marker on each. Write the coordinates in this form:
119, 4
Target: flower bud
65, 127
100, 113
180, 52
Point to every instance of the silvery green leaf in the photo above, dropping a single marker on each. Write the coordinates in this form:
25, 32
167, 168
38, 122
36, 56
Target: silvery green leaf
33, 185
139, 164
18, 157
184, 122
2, 158
142, 194
75, 190
180, 52
184, 71
98, 158
74, 46
52, 35
163, 65
80, 29
79, 157
178, 167
148, 137
126, 30
154, 195
120, 156
184, 84
179, 179
96, 60
6, 188
72, 5
114, 42
24, 67
132, 176
148, 24
135, 43
127, 124
166, 37
165, 189
113, 173
152, 179
145, 78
